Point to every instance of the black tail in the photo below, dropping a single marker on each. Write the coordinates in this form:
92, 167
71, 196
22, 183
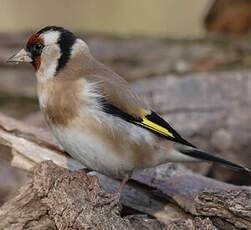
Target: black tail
199, 154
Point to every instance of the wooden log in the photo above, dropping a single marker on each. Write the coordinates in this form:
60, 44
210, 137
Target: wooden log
179, 191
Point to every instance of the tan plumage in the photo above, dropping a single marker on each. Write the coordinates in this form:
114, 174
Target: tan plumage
95, 115
73, 109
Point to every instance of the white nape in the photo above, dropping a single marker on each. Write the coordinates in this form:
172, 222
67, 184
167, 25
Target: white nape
79, 46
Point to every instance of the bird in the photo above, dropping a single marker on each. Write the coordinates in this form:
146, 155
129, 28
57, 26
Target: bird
94, 114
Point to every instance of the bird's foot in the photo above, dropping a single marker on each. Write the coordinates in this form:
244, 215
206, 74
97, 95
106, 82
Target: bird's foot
112, 199
109, 199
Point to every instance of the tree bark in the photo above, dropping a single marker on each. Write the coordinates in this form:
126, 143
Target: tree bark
174, 196
56, 198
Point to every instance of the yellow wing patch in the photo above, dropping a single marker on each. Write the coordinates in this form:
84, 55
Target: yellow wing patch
155, 127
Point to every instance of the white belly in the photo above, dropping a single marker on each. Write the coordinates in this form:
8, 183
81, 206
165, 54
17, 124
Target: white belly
93, 152
96, 154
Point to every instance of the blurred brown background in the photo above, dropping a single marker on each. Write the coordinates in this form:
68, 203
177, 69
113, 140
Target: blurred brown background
199, 50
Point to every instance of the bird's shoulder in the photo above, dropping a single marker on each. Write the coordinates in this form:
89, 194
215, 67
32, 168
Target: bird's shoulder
115, 91
119, 100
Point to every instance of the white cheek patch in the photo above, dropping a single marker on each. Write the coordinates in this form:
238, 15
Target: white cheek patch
50, 56
49, 62
51, 37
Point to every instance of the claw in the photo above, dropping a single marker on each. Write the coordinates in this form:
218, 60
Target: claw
110, 199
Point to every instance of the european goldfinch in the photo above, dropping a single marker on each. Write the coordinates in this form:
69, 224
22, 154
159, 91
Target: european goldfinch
93, 113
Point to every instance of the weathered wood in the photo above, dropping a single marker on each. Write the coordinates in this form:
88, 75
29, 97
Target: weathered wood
179, 190
32, 145
202, 196
56, 198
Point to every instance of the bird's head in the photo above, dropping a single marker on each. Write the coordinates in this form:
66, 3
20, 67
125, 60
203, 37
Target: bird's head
49, 50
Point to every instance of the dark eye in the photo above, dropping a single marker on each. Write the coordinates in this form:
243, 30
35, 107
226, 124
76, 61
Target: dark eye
37, 48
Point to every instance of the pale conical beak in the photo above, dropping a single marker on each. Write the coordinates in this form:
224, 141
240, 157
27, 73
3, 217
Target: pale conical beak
21, 56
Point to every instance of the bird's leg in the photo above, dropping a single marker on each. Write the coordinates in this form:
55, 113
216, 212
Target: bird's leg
122, 184
114, 197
